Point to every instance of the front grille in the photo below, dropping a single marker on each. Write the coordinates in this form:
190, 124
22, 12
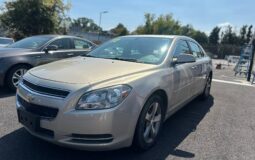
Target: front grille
46, 90
38, 110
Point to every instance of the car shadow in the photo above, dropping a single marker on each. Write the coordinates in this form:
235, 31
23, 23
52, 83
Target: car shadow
4, 92
21, 145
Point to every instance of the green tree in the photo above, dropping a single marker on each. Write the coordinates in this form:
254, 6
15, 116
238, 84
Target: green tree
229, 36
243, 32
214, 37
249, 34
84, 24
24, 18
187, 30
120, 30
200, 37
164, 24
148, 27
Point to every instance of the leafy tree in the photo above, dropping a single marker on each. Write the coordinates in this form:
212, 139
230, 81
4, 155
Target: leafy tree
164, 24
187, 30
120, 30
200, 37
214, 36
230, 37
249, 34
148, 27
31, 17
243, 32
84, 24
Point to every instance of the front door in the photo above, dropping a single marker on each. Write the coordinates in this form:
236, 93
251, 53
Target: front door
183, 76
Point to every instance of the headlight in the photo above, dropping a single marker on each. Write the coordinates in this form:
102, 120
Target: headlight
103, 98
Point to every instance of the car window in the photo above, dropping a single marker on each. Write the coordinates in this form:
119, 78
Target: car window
196, 51
181, 48
150, 50
62, 43
5, 41
81, 44
31, 42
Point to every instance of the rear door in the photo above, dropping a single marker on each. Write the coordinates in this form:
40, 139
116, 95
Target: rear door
183, 75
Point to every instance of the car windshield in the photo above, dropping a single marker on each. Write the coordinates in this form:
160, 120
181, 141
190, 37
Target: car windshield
5, 41
151, 50
30, 43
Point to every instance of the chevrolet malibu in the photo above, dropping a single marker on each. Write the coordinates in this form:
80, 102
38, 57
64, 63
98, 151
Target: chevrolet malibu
115, 96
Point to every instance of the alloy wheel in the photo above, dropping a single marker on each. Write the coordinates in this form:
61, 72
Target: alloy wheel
17, 75
208, 86
152, 122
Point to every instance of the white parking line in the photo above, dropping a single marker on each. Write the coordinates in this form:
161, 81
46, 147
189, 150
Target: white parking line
230, 82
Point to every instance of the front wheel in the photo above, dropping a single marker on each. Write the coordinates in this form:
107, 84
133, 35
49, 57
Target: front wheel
149, 124
14, 76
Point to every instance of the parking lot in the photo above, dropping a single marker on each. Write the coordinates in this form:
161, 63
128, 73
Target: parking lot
221, 127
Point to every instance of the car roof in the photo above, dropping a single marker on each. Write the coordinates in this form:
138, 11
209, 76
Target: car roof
54, 36
160, 36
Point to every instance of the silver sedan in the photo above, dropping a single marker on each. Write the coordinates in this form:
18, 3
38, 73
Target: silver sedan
117, 95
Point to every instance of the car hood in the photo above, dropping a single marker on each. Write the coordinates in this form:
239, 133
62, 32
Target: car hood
8, 52
86, 70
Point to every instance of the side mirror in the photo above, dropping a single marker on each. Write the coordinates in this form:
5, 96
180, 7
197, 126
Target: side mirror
184, 58
51, 48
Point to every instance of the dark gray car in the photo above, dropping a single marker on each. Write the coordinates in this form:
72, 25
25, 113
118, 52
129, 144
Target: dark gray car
20, 56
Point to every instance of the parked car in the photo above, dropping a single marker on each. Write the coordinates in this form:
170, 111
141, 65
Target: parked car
117, 95
20, 56
5, 41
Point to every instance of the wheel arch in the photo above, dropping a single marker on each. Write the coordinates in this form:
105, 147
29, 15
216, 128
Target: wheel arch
13, 66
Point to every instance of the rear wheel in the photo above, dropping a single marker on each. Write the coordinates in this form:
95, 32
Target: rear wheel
207, 89
14, 76
149, 124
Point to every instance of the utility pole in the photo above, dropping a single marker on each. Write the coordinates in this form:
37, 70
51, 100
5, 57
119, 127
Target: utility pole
252, 43
100, 18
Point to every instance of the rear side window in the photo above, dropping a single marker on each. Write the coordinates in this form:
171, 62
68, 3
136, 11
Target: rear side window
81, 44
196, 50
62, 43
181, 48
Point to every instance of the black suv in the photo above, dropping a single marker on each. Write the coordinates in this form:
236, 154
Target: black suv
22, 55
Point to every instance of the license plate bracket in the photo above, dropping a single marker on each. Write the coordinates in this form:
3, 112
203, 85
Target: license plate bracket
29, 120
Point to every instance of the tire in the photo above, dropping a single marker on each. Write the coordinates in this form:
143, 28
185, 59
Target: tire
147, 132
18, 72
207, 89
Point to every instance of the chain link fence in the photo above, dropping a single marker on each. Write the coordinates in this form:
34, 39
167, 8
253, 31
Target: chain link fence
222, 50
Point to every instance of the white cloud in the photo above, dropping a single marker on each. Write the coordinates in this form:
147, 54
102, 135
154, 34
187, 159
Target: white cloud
225, 24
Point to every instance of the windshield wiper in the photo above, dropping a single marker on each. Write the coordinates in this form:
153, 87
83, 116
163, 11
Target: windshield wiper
86, 55
125, 59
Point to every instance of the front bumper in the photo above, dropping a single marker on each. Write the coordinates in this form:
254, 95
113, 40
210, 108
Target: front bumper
2, 77
89, 130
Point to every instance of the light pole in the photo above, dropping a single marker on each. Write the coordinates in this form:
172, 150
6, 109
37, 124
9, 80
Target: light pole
100, 18
252, 43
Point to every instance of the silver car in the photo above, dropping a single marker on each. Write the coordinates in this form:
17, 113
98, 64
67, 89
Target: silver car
117, 95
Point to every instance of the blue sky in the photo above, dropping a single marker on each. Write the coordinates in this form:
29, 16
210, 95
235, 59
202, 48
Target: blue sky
202, 14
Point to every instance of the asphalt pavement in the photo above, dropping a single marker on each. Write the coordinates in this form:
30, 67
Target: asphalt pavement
221, 127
